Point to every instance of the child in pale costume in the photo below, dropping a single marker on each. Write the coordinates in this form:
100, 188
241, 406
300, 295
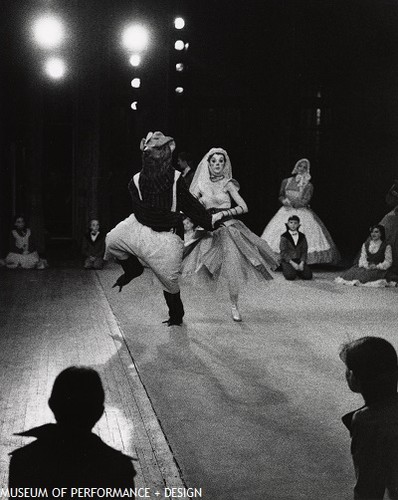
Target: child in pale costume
232, 252
153, 235
295, 195
23, 253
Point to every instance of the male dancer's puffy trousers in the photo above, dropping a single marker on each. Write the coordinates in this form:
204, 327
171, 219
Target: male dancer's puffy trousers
135, 245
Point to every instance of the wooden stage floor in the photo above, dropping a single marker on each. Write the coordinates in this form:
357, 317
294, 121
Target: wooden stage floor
243, 411
60, 317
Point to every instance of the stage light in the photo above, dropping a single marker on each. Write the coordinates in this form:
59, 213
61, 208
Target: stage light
180, 67
136, 83
55, 68
135, 37
179, 45
48, 32
318, 117
135, 60
179, 90
179, 23
134, 105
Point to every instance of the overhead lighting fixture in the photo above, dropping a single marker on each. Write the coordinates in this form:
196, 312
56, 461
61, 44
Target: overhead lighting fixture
135, 37
179, 23
48, 32
135, 60
136, 83
179, 45
55, 68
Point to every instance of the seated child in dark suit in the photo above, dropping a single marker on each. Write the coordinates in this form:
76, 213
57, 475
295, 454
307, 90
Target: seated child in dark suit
93, 247
371, 370
294, 247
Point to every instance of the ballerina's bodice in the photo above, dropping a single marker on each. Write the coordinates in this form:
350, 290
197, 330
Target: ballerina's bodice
216, 197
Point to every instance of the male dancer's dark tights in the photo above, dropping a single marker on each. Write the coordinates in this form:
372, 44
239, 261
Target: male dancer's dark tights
133, 268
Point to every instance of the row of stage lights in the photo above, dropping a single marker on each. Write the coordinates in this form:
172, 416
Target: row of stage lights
50, 34
180, 46
132, 34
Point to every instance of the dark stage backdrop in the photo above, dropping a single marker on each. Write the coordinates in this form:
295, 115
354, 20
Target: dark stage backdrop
263, 72
269, 81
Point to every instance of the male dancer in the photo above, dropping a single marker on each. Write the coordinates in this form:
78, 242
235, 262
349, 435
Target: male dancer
153, 234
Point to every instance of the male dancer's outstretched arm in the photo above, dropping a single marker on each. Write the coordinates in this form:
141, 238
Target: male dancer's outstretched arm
189, 205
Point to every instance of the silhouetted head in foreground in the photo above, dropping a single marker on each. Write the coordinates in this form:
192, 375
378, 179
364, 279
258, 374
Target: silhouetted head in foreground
77, 398
67, 453
371, 367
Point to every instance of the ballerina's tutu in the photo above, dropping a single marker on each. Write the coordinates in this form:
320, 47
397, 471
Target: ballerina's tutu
232, 254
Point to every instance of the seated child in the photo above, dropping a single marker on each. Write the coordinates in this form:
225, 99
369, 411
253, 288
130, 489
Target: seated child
374, 261
93, 247
294, 248
371, 370
23, 251
191, 234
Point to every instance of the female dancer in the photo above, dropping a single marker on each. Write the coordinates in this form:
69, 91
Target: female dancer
232, 251
295, 195
374, 262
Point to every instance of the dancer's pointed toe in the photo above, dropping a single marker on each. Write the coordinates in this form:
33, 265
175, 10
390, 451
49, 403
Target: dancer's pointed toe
236, 314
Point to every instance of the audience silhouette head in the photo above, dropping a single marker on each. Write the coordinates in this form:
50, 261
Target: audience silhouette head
371, 367
77, 398
67, 453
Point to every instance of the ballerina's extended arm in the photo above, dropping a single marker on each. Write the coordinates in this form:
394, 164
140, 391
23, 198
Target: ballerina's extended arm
241, 207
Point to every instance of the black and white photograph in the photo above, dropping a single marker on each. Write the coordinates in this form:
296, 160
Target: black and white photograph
199, 249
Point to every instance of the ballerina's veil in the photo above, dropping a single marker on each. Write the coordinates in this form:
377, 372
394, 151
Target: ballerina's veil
202, 180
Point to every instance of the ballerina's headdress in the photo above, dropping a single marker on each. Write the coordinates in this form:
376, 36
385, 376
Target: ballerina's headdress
204, 178
304, 178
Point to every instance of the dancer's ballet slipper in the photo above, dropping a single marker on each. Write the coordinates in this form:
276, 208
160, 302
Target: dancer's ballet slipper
235, 313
